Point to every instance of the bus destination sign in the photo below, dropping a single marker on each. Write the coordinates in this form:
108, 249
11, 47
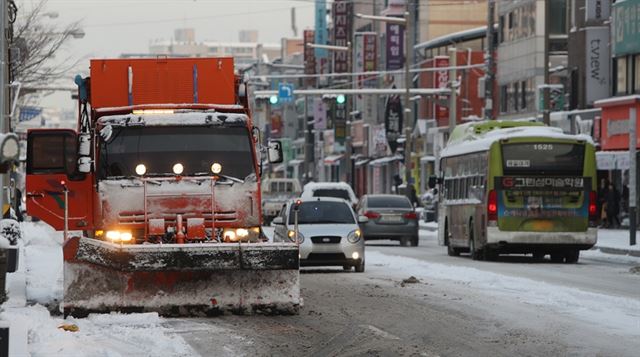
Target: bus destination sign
521, 183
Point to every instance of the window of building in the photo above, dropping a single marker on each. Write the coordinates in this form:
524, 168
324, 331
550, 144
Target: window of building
621, 75
523, 95
558, 17
501, 29
636, 75
516, 97
503, 99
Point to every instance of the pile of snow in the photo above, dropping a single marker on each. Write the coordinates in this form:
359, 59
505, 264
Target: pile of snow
98, 335
38, 283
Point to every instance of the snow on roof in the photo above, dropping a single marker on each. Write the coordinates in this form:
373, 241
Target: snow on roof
310, 187
386, 159
483, 141
180, 118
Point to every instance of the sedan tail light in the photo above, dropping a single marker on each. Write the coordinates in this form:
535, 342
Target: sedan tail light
410, 215
372, 215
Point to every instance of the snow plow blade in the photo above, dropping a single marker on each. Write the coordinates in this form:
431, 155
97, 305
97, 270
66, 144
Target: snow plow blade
180, 279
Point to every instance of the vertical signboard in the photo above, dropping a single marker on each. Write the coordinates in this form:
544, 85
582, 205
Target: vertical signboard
393, 121
341, 10
597, 63
309, 57
395, 46
626, 27
319, 114
441, 80
377, 141
276, 123
321, 28
340, 122
597, 9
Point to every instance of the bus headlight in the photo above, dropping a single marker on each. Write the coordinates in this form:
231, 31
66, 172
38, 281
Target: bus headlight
354, 236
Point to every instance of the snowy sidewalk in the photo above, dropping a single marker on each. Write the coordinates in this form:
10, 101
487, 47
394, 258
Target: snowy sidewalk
616, 241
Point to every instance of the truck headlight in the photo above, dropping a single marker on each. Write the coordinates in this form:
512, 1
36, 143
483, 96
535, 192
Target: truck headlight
178, 169
354, 236
292, 236
119, 236
241, 234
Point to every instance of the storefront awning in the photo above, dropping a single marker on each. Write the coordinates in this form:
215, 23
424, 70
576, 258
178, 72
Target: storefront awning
332, 159
427, 158
361, 162
295, 162
385, 160
612, 160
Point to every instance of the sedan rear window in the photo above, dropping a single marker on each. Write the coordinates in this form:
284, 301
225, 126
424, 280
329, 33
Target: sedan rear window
328, 192
322, 212
389, 202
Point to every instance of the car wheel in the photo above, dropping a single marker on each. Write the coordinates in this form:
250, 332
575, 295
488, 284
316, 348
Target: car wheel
571, 256
557, 257
346, 267
404, 241
414, 241
360, 267
538, 257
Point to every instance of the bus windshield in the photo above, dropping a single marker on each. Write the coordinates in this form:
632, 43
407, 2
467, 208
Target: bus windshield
543, 159
159, 148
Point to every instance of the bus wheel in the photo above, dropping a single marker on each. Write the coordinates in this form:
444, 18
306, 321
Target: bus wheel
473, 252
571, 256
451, 251
557, 257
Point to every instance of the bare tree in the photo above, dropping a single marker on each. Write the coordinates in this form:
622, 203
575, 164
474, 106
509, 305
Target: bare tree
35, 43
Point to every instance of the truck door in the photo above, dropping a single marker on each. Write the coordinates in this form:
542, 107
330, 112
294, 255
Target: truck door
51, 165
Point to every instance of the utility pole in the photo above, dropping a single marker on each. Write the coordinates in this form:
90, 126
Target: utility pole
490, 74
547, 97
632, 174
453, 98
408, 114
3, 87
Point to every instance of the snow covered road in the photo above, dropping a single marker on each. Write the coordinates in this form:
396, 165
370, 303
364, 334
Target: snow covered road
455, 306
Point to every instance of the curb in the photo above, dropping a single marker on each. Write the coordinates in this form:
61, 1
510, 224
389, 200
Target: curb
619, 251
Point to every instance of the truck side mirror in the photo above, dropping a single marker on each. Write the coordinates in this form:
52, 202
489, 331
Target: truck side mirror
274, 152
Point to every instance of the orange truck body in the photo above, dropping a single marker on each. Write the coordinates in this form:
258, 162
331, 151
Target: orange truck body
213, 211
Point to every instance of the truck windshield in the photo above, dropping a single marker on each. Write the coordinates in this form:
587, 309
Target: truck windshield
543, 159
159, 148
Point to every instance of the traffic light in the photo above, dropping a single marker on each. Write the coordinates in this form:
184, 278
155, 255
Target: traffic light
340, 99
273, 99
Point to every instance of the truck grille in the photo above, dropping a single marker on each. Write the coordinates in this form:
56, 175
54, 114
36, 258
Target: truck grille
326, 240
170, 218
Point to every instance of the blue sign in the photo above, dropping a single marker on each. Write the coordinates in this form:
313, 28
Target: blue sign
285, 92
321, 28
28, 113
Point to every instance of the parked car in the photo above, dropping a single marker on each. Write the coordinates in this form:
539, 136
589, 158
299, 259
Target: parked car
330, 189
390, 217
328, 232
275, 193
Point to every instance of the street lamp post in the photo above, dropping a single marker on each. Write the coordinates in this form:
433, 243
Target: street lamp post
408, 114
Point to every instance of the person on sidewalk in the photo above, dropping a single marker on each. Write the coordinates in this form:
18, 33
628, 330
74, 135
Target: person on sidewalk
612, 201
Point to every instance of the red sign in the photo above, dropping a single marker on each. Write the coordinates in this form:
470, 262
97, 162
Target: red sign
309, 56
370, 57
441, 80
341, 10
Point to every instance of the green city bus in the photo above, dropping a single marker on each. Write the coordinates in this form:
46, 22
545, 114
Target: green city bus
517, 187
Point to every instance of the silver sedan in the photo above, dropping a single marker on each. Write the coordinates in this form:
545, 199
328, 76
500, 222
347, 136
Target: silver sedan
328, 232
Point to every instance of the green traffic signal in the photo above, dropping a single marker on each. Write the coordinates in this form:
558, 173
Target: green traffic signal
340, 99
273, 99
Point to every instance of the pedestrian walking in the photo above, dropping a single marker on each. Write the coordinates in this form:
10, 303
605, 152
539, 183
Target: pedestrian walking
612, 201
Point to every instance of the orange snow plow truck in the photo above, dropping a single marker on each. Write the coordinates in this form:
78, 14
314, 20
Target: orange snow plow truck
160, 189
